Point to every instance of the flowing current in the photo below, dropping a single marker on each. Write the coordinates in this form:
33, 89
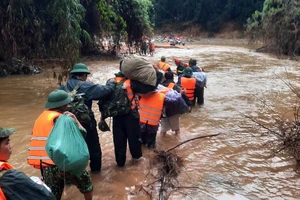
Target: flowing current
237, 164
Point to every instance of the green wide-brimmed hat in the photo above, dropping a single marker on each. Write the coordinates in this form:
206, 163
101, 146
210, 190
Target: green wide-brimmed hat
57, 98
188, 72
6, 132
80, 68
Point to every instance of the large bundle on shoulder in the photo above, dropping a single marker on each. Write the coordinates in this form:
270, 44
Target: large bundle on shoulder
66, 146
201, 78
178, 106
138, 68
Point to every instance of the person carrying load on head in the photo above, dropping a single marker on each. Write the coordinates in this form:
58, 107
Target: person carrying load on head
56, 105
13, 183
90, 92
188, 83
126, 127
163, 65
151, 109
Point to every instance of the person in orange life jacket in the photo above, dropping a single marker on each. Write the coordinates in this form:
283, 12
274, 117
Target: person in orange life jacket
56, 105
126, 127
171, 115
151, 48
90, 92
13, 183
188, 83
163, 65
150, 110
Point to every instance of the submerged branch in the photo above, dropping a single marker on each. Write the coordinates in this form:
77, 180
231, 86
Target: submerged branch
199, 137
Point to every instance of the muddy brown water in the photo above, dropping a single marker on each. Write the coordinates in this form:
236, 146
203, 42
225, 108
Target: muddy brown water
233, 165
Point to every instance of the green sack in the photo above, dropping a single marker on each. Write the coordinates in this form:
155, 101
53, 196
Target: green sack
67, 147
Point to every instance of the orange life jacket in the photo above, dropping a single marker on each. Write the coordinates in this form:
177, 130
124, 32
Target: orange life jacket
151, 106
186, 65
41, 130
189, 84
163, 66
133, 98
6, 166
171, 85
152, 47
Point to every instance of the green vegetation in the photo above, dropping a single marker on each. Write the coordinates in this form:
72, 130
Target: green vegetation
207, 13
63, 28
278, 26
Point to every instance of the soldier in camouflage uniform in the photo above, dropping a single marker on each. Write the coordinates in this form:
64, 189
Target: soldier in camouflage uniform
90, 92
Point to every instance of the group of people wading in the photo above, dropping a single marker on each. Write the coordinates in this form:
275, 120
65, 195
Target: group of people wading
150, 106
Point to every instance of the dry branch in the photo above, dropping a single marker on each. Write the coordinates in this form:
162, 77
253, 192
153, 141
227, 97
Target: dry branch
167, 166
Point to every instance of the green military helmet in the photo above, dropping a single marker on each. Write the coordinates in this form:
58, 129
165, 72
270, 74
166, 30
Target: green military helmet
6, 132
80, 68
57, 98
188, 72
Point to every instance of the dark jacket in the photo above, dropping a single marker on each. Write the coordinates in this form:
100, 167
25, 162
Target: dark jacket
91, 91
18, 186
180, 69
195, 68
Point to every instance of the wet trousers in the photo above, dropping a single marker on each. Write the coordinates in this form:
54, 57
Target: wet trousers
199, 96
126, 127
149, 139
92, 141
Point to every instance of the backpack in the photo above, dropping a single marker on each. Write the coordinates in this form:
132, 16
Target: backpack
117, 104
77, 106
18, 186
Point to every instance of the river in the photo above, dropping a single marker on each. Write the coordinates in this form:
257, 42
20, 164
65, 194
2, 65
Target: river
237, 164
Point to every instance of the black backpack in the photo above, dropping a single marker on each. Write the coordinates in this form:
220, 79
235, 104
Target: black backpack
117, 104
18, 186
77, 106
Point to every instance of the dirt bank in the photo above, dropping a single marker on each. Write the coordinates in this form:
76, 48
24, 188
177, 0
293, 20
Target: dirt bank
229, 33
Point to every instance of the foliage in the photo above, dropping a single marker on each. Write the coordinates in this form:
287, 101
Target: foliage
16, 19
41, 29
59, 28
278, 25
136, 15
209, 14
67, 16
